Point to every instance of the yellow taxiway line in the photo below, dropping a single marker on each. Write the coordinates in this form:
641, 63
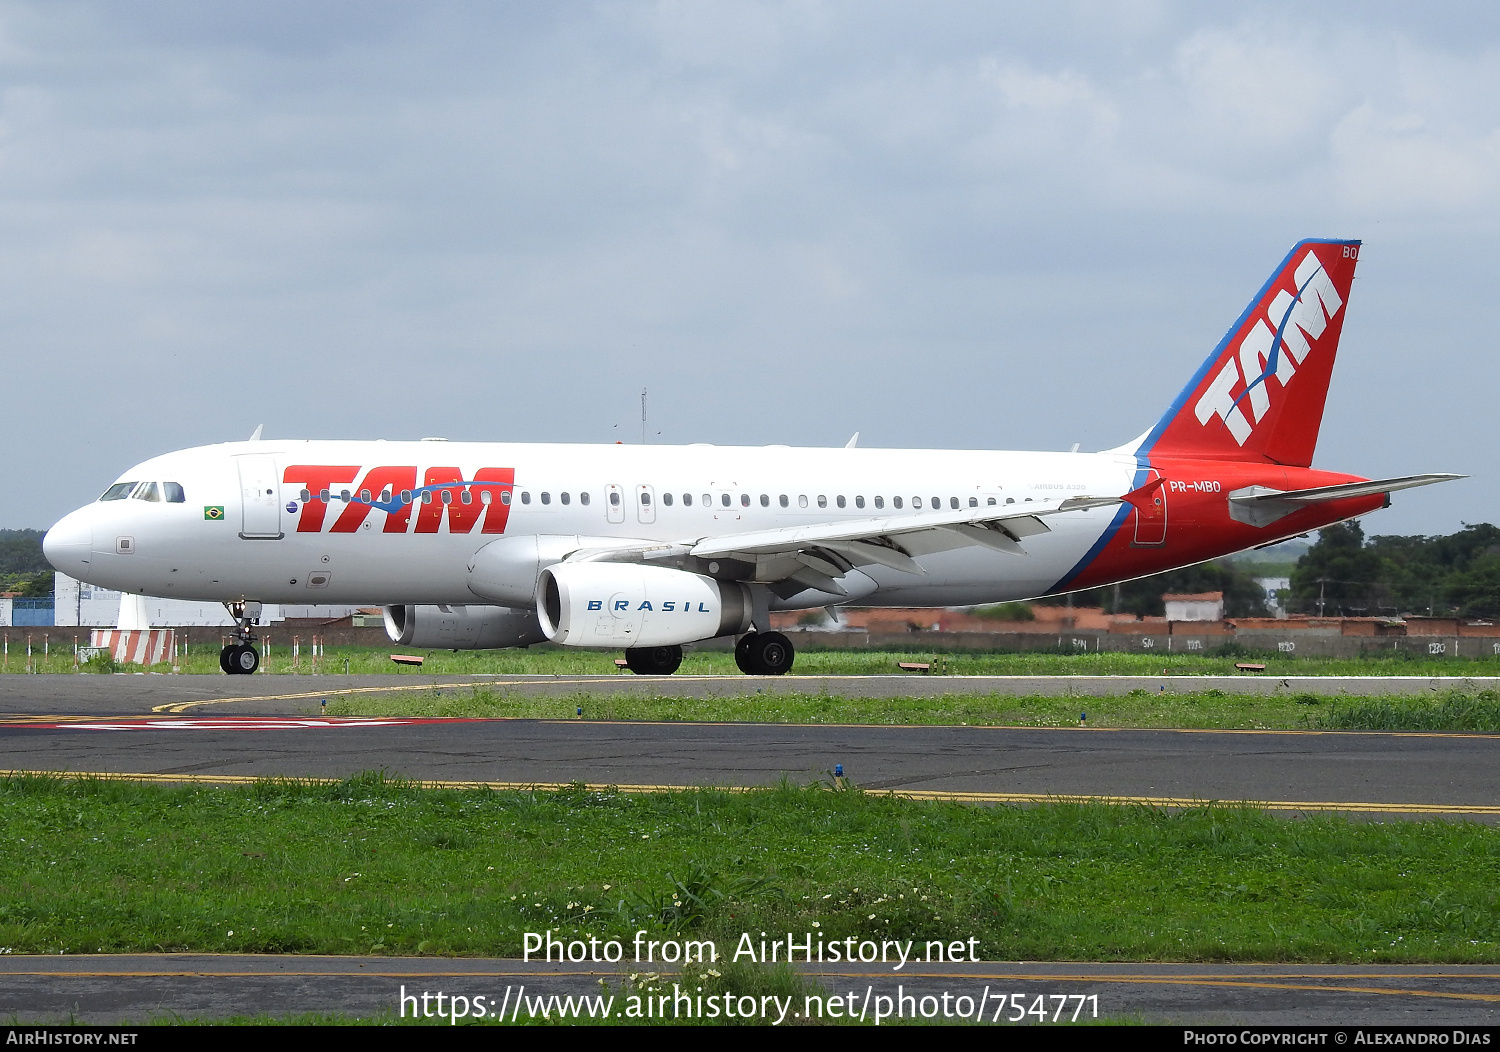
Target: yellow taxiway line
933, 795
1261, 981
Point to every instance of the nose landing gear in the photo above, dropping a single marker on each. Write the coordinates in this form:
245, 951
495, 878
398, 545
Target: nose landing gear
241, 658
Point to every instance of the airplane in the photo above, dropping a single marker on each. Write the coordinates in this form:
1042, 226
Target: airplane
649, 548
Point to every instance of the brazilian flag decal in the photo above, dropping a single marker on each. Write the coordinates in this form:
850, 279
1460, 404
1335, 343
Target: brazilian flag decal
214, 512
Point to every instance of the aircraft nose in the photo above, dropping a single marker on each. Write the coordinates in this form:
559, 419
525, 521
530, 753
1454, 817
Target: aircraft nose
69, 545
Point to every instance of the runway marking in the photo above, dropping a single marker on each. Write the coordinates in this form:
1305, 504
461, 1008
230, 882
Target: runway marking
1211, 979
247, 723
931, 795
184, 706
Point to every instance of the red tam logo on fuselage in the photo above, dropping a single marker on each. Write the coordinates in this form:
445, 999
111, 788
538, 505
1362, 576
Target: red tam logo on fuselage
444, 494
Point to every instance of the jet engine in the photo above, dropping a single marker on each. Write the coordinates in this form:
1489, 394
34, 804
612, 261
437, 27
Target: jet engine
462, 627
629, 605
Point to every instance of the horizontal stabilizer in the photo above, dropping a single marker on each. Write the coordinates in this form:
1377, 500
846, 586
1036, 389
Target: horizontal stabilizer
1261, 506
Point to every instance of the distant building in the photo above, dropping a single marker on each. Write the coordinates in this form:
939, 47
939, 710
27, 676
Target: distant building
1205, 606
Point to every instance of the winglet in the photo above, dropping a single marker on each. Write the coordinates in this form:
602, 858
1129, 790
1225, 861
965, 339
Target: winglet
853, 441
255, 435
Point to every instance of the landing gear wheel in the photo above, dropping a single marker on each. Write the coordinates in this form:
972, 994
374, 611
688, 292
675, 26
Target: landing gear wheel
653, 661
239, 660
765, 654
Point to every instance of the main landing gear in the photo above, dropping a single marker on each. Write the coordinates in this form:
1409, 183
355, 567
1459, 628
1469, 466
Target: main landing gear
765, 654
241, 658
653, 661
757, 654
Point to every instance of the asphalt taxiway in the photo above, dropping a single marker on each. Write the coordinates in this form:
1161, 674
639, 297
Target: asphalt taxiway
221, 728
165, 987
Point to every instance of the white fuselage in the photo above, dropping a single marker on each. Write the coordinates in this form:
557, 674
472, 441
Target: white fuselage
243, 529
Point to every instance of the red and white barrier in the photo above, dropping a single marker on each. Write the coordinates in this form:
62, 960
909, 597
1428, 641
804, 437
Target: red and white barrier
139, 646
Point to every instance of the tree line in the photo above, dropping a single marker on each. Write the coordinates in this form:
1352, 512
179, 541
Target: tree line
1347, 574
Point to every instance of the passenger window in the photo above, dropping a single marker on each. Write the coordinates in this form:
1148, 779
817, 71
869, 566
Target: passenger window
953, 501
504, 497
305, 495
427, 496
465, 497
916, 502
895, 502
119, 491
406, 496
583, 498
448, 497
485, 497
364, 495
687, 500
782, 500
859, 502
840, 500
546, 497
724, 499
526, 496
991, 501
385, 496
744, 500
174, 492
765, 500
802, 500
566, 499
614, 499
1010, 500
148, 491
822, 501
666, 498
880, 502
344, 495
707, 500
974, 502
645, 499
324, 497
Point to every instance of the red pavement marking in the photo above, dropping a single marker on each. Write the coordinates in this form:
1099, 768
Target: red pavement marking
246, 723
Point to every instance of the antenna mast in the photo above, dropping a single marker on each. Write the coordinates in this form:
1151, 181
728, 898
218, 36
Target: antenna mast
643, 416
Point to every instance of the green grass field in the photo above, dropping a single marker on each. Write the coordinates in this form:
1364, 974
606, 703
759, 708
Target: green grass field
367, 866
203, 657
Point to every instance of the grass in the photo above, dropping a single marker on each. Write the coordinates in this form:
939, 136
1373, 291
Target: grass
1209, 710
373, 866
203, 657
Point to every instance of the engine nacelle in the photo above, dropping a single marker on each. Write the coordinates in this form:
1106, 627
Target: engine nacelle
462, 627
630, 605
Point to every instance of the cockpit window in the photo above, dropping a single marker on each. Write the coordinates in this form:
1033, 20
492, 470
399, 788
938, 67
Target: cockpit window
119, 491
148, 491
174, 492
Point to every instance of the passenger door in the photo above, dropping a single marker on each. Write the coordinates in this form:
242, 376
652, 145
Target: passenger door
260, 498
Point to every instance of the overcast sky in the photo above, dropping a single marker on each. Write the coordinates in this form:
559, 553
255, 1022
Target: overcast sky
947, 225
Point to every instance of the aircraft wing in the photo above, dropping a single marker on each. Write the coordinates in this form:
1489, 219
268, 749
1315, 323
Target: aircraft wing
816, 555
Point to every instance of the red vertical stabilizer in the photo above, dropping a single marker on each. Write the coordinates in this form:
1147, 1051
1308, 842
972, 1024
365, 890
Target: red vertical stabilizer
1260, 394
